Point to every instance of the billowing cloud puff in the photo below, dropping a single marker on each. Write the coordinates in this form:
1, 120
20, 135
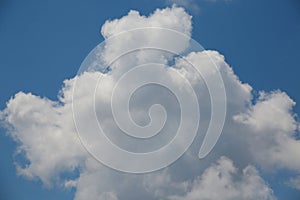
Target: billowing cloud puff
257, 132
273, 127
223, 177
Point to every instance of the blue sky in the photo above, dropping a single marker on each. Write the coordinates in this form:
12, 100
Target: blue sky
44, 42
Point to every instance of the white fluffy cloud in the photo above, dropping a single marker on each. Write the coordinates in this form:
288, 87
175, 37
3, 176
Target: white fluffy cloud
45, 133
229, 182
260, 133
191, 5
272, 126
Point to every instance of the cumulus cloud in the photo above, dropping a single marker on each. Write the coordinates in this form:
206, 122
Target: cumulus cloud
188, 4
257, 131
229, 182
273, 127
45, 133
